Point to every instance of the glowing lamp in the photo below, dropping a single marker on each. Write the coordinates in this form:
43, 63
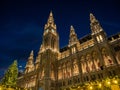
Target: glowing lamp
99, 85
108, 82
91, 87
115, 82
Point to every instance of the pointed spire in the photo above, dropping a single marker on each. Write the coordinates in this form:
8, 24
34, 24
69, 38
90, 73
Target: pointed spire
73, 36
30, 64
50, 22
71, 27
92, 18
31, 55
51, 14
51, 19
72, 30
95, 25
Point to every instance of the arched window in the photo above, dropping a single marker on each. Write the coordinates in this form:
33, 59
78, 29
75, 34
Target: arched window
107, 59
75, 68
73, 50
96, 60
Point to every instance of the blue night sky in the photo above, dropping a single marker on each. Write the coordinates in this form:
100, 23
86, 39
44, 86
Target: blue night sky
22, 23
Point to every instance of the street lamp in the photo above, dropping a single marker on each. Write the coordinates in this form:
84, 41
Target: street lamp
99, 85
115, 81
91, 87
108, 82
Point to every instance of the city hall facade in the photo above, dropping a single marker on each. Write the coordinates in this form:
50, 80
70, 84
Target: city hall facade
90, 58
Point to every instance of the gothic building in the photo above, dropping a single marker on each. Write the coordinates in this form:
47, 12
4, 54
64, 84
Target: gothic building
92, 57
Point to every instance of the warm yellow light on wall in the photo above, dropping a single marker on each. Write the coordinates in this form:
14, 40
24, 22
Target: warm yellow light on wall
91, 87
78, 86
115, 81
108, 83
100, 85
0, 88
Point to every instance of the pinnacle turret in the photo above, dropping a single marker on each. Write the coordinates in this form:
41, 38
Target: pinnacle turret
50, 19
92, 18
72, 30
30, 64
95, 25
73, 36
50, 22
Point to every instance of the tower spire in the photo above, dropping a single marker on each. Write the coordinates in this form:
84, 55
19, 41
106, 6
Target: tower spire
50, 22
92, 18
30, 64
73, 36
95, 25
50, 19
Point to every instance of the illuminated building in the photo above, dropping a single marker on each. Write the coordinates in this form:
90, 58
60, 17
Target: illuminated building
93, 57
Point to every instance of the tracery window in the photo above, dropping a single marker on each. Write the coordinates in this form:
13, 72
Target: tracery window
89, 63
83, 64
96, 60
107, 59
60, 72
73, 50
75, 68
99, 38
68, 70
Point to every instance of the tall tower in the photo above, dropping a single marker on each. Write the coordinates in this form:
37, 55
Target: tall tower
50, 36
97, 30
105, 51
49, 53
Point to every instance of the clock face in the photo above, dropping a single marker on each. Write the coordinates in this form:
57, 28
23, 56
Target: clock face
52, 30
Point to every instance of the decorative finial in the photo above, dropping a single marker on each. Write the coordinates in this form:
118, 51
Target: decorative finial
71, 27
92, 18
73, 36
51, 19
72, 30
31, 54
51, 14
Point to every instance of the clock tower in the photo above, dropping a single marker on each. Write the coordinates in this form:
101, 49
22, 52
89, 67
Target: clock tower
50, 36
49, 54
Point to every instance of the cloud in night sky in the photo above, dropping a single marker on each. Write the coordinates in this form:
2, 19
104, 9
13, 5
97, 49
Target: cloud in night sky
22, 24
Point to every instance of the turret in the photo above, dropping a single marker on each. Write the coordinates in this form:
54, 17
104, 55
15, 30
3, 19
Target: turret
73, 36
38, 58
97, 31
50, 37
30, 64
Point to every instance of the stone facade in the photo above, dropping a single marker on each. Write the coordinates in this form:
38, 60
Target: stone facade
93, 57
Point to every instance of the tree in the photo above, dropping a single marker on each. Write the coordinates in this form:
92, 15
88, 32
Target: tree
10, 77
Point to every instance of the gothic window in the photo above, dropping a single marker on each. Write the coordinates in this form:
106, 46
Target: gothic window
96, 60
52, 43
89, 63
99, 38
52, 75
68, 72
107, 59
73, 50
75, 68
84, 67
42, 73
59, 74
46, 41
